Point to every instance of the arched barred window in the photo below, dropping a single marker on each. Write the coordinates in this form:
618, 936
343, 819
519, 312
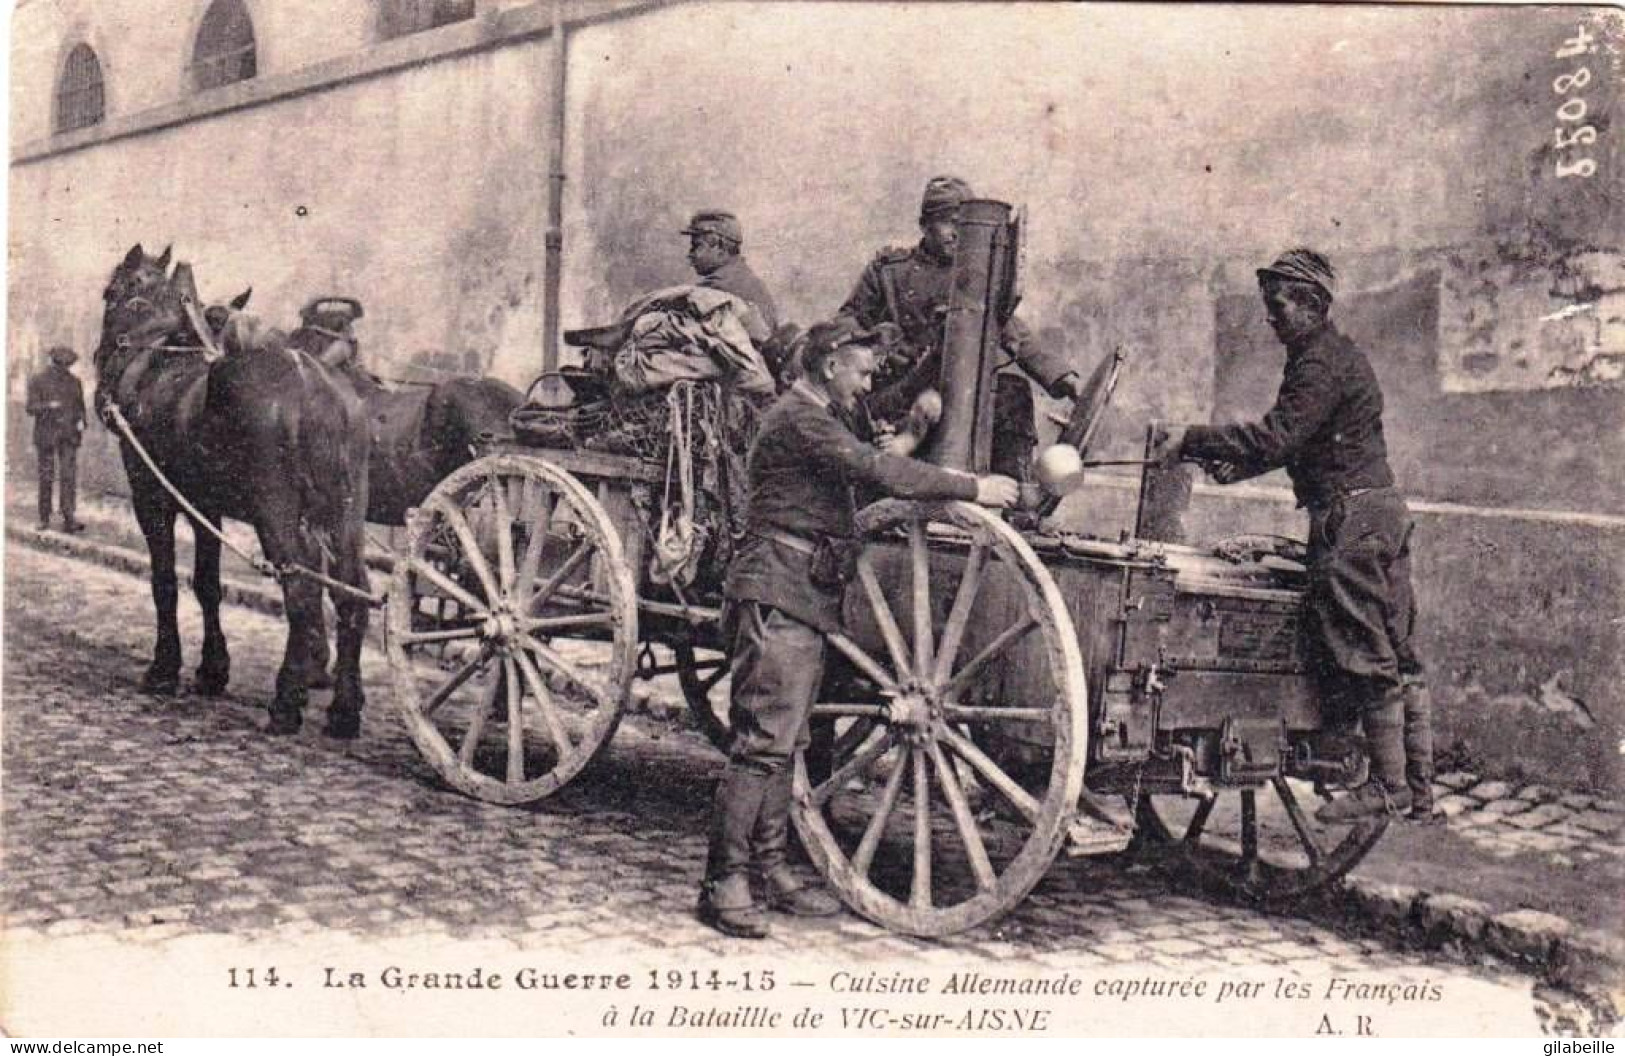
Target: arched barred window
396, 18
224, 50
80, 101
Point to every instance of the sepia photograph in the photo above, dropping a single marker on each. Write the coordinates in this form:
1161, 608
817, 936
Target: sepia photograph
813, 519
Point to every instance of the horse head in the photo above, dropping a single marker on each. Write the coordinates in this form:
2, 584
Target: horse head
140, 305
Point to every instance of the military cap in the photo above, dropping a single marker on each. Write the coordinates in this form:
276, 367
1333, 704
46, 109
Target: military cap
943, 196
1302, 265
719, 222
64, 355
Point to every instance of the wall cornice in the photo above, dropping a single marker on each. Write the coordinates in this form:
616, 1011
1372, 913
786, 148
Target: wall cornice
488, 30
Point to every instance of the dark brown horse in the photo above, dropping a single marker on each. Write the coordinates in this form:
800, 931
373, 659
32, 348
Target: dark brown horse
420, 432
277, 440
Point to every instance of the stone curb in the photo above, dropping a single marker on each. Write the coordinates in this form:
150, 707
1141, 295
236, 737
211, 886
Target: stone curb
124, 559
1564, 955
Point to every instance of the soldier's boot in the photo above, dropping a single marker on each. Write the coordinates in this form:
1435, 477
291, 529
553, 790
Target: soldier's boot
1418, 738
1385, 791
726, 903
784, 891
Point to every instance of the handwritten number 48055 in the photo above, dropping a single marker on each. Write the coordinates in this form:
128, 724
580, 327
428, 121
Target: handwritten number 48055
1573, 109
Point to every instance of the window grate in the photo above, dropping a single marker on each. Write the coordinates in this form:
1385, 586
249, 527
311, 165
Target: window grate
80, 99
397, 18
224, 51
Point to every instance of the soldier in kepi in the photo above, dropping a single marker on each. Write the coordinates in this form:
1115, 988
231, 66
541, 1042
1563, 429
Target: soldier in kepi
784, 591
715, 239
1326, 431
56, 401
909, 287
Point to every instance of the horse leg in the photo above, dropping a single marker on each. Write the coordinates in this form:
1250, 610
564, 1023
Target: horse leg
344, 714
155, 513
280, 540
214, 669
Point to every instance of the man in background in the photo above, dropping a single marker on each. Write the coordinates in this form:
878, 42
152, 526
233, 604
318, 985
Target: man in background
56, 402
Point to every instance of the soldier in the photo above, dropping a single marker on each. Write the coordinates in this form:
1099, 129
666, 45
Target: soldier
909, 287
714, 241
1326, 431
56, 400
784, 593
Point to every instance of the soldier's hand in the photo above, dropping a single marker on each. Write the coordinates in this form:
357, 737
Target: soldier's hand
1067, 386
1165, 444
1223, 472
997, 491
900, 444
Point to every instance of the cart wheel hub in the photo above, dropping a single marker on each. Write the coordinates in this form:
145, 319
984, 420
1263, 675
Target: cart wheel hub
911, 710
500, 627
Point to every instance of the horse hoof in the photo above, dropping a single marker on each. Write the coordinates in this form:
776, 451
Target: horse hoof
284, 724
209, 687
160, 685
343, 727
320, 679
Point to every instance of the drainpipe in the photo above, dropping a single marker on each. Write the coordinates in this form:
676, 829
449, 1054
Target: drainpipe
555, 198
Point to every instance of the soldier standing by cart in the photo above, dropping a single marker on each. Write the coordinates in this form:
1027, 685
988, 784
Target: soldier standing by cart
1326, 431
56, 401
909, 287
784, 593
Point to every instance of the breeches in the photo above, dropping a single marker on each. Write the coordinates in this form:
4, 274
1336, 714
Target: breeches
1361, 610
778, 666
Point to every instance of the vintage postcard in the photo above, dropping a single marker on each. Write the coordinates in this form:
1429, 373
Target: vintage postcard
705, 519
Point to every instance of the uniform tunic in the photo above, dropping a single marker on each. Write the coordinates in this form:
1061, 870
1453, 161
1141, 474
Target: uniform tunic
803, 468
911, 287
1325, 430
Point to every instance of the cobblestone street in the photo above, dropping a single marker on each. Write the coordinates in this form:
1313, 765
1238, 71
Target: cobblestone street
152, 820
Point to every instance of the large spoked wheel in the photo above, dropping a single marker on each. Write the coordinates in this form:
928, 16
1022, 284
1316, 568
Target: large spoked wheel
922, 818
512, 628
1258, 845
700, 675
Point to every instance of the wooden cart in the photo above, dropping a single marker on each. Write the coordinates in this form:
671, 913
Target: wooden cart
986, 677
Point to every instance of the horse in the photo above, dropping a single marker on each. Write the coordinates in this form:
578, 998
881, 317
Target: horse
420, 432
278, 441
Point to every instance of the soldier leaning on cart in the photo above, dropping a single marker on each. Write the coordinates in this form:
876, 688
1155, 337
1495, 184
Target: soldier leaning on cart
784, 593
56, 400
909, 287
1326, 431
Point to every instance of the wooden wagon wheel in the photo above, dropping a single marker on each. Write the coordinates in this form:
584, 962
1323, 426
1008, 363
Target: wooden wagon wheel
699, 676
979, 831
506, 559
1269, 852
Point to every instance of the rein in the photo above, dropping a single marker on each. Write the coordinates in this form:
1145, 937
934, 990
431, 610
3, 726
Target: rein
114, 415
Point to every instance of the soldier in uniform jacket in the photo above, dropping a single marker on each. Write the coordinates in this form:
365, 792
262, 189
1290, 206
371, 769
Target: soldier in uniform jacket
909, 287
783, 592
715, 238
1325, 430
56, 401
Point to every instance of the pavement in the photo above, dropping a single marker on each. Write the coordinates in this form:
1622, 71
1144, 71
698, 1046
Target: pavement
1519, 877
